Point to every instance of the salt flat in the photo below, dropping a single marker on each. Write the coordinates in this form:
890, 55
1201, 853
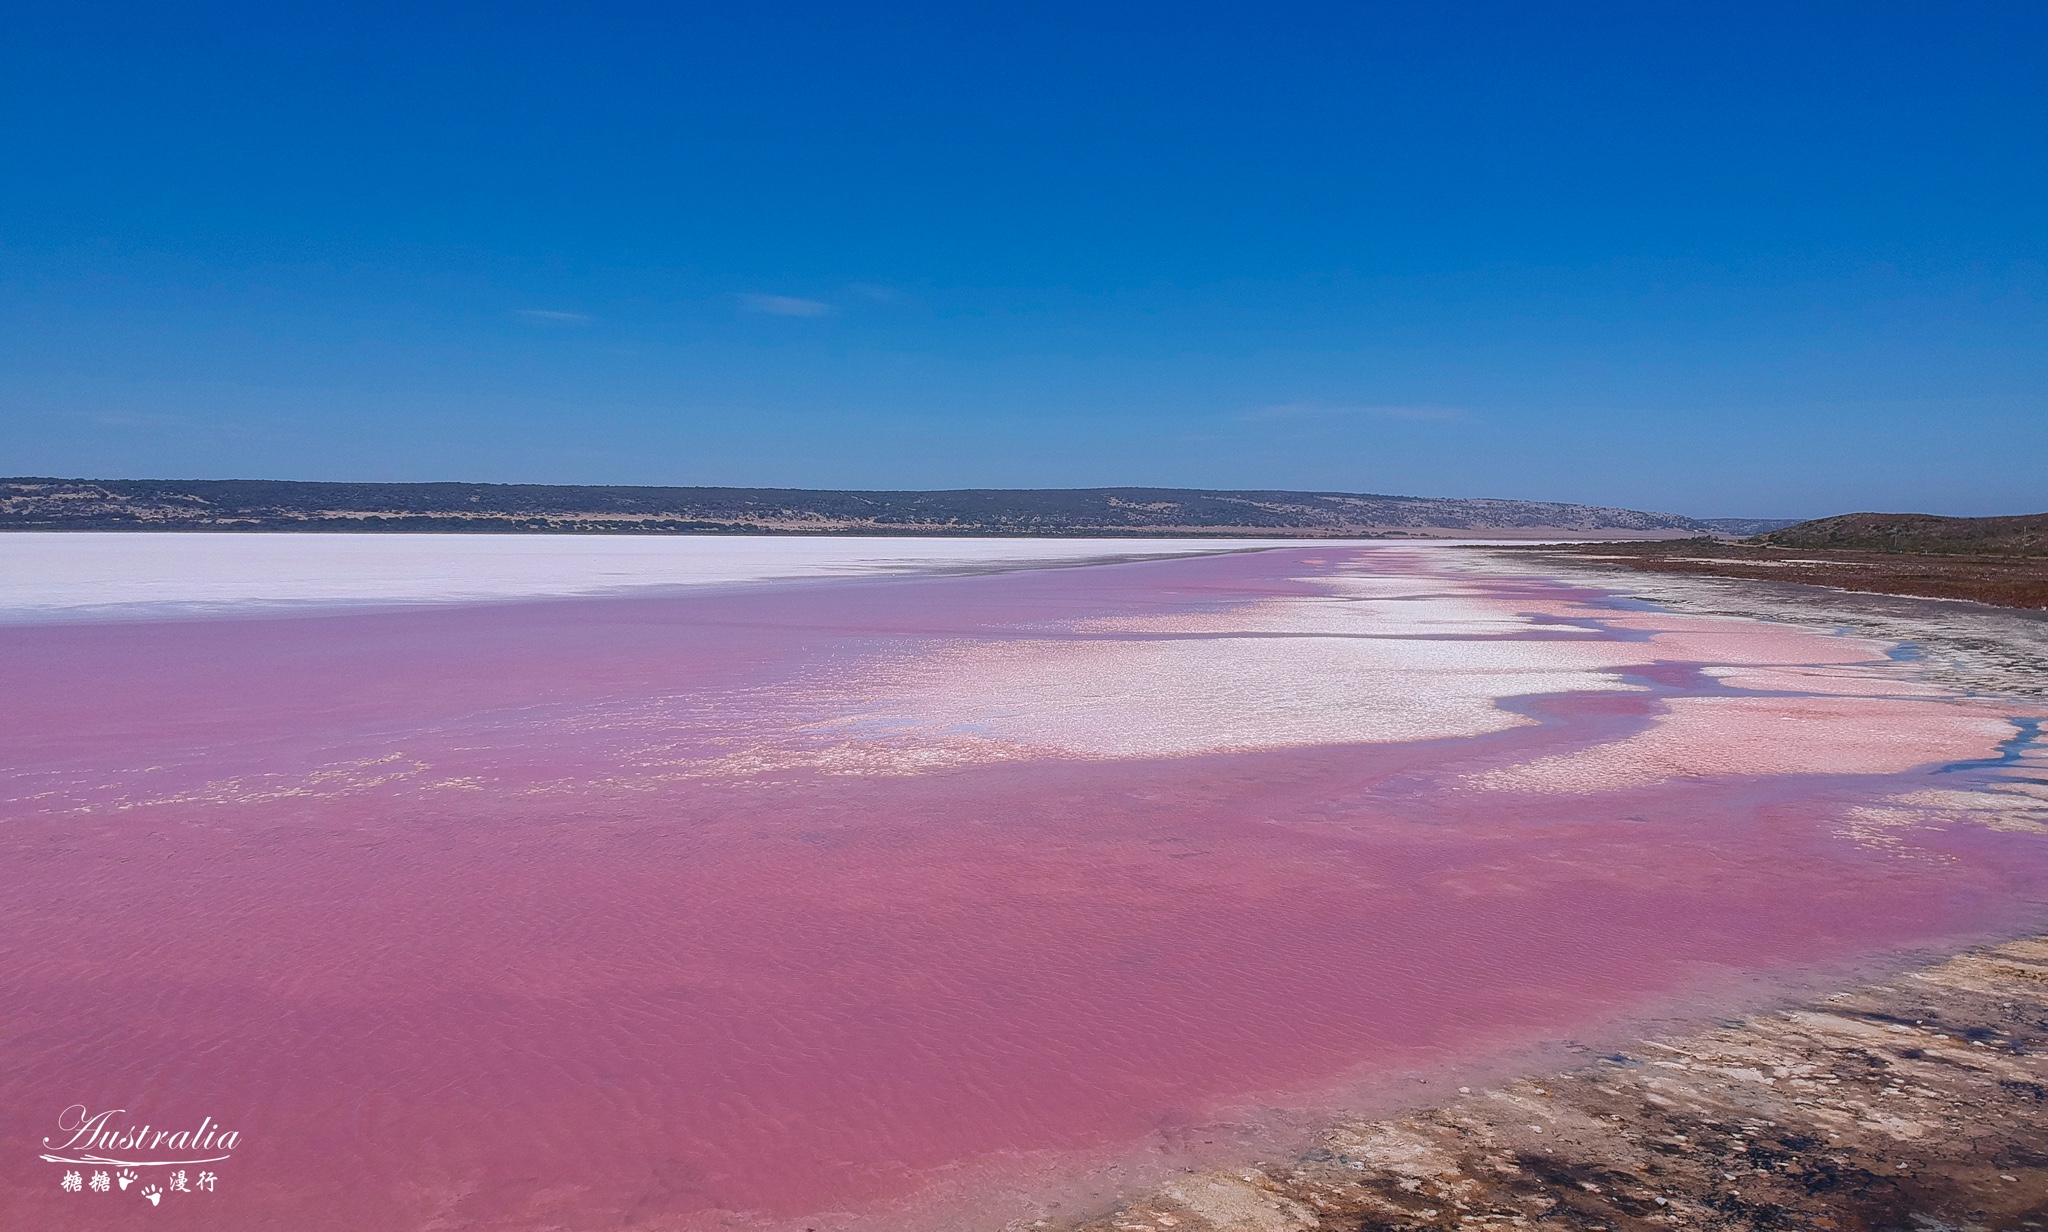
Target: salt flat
67, 575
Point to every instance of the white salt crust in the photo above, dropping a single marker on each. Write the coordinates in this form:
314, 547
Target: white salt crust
68, 576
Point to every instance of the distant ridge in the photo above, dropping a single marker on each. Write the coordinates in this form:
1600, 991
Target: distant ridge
1999, 561
2021, 535
1748, 526
252, 504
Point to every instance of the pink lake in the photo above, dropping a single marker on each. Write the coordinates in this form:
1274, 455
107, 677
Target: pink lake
926, 900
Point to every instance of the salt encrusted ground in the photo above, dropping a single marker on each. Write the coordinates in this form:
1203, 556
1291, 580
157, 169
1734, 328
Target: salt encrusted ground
1918, 1103
1970, 647
91, 574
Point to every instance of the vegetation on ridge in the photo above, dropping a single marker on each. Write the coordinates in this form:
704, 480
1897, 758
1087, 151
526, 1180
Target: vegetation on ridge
240, 504
2025, 535
2000, 561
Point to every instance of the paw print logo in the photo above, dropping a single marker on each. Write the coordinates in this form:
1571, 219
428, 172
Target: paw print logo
154, 1194
125, 1177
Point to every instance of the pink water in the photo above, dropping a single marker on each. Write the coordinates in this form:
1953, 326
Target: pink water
594, 913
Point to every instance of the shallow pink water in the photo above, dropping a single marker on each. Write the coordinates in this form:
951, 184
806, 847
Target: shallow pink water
576, 914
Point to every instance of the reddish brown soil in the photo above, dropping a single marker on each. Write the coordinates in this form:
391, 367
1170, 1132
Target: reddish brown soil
2000, 580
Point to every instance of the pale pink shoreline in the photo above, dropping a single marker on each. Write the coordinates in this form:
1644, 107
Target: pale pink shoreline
549, 914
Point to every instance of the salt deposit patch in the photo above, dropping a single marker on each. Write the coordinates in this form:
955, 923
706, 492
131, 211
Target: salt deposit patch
1706, 736
1838, 681
1402, 656
1198, 695
1699, 639
1377, 659
1355, 607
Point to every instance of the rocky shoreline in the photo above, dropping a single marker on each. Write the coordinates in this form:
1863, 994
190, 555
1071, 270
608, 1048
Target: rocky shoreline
1917, 1103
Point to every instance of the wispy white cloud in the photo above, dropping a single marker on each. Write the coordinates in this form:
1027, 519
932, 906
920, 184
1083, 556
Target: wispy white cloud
545, 316
1326, 410
785, 306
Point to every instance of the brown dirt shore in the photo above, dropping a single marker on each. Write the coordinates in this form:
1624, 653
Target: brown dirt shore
1919, 1103
1999, 580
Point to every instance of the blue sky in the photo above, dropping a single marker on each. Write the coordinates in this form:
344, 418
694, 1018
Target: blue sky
1723, 259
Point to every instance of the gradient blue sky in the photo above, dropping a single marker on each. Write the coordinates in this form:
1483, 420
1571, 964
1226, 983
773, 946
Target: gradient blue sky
1723, 259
